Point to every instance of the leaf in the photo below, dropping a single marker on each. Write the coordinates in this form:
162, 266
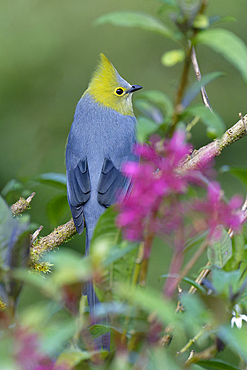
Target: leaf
221, 251
150, 110
150, 301
56, 336
117, 252
222, 280
14, 248
216, 364
240, 173
216, 19
144, 128
98, 329
12, 185
172, 57
214, 123
235, 338
74, 355
57, 180
187, 280
196, 87
57, 208
228, 45
161, 100
238, 253
135, 19
195, 241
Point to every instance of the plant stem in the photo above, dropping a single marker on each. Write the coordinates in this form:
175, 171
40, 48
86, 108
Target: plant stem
191, 263
191, 341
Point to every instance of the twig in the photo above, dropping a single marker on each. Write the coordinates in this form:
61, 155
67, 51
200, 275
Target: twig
36, 234
192, 341
191, 263
58, 236
21, 205
204, 355
146, 254
198, 77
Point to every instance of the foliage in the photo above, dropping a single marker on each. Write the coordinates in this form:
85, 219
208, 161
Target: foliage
190, 322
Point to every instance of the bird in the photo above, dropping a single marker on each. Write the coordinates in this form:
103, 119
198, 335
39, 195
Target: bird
100, 140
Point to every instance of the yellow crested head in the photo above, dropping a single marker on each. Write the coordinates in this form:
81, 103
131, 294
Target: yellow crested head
109, 89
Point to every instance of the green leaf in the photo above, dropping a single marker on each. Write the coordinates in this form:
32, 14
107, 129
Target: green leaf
187, 280
228, 45
216, 364
56, 336
235, 338
172, 57
14, 248
195, 241
97, 330
150, 301
57, 180
195, 89
238, 253
144, 128
136, 19
221, 251
222, 280
74, 355
161, 100
57, 208
150, 110
12, 185
216, 19
119, 251
240, 173
214, 123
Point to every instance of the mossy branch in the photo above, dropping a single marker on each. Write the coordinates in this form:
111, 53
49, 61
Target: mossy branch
21, 205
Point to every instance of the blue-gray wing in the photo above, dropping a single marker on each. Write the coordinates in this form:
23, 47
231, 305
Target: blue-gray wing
78, 189
112, 184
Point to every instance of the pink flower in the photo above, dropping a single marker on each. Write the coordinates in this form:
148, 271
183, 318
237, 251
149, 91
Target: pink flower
151, 188
215, 211
155, 203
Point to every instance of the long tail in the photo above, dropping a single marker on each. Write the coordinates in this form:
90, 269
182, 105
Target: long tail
94, 303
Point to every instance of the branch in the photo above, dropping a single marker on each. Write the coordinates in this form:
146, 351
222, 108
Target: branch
198, 77
47, 243
21, 205
214, 149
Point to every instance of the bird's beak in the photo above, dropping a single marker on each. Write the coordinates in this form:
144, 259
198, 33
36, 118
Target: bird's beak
134, 88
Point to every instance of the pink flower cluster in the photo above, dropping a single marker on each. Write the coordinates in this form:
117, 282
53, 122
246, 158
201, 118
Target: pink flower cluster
155, 203
215, 211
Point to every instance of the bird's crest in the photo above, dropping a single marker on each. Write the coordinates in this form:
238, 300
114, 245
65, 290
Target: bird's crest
103, 85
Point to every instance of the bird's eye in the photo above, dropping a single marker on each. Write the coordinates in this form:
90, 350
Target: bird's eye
119, 91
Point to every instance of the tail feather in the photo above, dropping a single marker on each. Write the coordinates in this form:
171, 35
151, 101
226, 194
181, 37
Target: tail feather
103, 341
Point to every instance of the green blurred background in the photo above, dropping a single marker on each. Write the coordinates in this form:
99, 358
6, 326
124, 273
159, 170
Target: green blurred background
49, 49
